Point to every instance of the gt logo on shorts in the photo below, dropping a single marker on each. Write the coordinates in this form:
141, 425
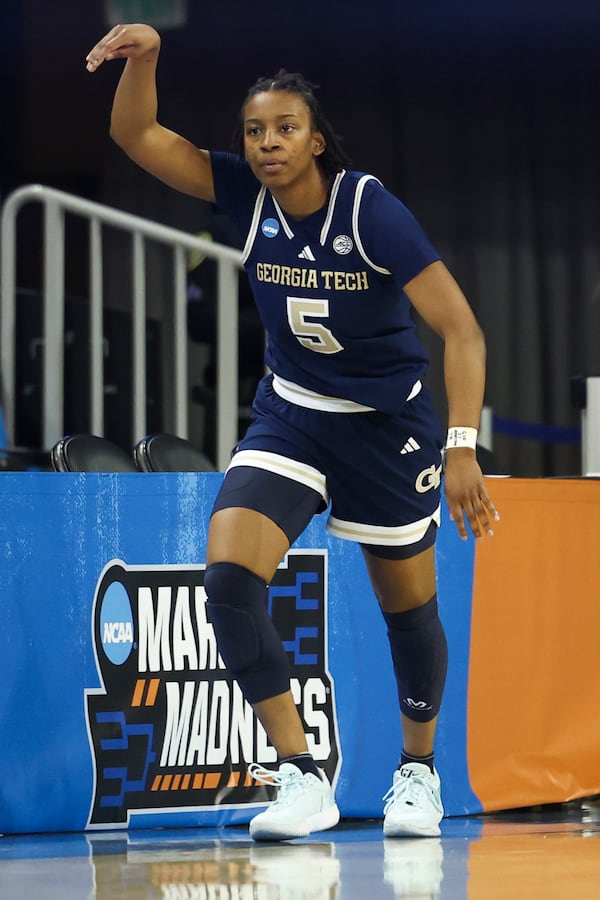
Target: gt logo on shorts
428, 479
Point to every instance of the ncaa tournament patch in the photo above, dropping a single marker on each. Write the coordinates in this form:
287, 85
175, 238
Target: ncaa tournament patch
270, 228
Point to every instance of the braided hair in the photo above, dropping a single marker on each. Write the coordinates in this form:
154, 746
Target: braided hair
334, 157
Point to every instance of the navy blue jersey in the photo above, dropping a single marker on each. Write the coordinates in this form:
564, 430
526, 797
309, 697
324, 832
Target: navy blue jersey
329, 288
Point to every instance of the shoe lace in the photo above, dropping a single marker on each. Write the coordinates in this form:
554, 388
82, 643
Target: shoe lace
412, 790
289, 783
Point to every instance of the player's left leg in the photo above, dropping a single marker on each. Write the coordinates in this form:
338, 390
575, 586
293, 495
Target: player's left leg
406, 591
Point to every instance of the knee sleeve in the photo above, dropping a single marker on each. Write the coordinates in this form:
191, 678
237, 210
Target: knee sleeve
420, 657
236, 605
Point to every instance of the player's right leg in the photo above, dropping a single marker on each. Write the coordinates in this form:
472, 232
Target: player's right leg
246, 543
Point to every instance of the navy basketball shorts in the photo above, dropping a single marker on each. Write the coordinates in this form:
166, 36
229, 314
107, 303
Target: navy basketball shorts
380, 473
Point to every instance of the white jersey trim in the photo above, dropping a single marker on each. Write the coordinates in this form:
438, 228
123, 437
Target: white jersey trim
258, 205
283, 465
301, 396
396, 536
355, 211
328, 218
282, 218
416, 389
333, 197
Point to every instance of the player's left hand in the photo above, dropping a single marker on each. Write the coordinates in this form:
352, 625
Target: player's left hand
467, 496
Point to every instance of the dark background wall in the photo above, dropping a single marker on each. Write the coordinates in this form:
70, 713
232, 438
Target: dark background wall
482, 116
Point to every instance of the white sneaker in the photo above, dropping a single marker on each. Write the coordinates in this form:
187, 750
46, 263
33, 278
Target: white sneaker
307, 871
304, 804
414, 868
413, 805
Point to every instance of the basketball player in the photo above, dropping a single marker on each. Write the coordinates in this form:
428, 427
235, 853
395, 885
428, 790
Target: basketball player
336, 262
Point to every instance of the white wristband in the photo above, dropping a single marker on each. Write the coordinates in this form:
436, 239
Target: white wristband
461, 437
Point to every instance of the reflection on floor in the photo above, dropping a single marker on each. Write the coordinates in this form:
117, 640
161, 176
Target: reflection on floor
546, 852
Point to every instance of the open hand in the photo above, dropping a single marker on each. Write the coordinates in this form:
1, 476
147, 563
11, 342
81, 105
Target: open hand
124, 42
467, 496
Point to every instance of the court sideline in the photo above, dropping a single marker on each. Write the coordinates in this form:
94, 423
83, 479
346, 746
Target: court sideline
544, 852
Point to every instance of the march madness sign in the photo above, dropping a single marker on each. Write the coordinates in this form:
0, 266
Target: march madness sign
169, 729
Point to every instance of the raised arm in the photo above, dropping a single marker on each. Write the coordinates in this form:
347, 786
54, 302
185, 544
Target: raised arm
134, 124
440, 302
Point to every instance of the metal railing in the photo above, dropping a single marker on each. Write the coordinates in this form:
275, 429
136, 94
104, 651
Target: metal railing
56, 204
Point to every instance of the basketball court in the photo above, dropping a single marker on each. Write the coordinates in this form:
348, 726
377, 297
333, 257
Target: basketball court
543, 852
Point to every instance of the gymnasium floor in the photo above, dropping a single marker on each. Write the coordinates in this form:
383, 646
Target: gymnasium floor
547, 852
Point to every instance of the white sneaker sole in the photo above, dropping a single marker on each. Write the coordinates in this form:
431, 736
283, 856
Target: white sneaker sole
321, 821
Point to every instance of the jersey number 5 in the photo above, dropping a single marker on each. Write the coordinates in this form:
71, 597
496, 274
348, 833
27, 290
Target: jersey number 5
312, 335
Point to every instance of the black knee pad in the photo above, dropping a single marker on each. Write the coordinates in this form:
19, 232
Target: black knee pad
420, 657
251, 648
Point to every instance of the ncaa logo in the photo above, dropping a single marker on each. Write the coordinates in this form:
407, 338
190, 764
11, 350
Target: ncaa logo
343, 244
116, 624
270, 228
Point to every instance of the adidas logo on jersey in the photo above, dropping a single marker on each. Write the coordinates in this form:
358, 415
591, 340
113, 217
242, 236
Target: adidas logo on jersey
306, 253
410, 446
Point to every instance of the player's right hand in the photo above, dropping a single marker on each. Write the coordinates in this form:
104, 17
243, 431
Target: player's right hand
124, 42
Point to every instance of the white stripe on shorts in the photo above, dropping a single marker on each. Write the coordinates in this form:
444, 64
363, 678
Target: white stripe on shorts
381, 535
282, 465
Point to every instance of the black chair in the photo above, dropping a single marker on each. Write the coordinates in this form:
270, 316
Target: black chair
169, 453
24, 459
89, 453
